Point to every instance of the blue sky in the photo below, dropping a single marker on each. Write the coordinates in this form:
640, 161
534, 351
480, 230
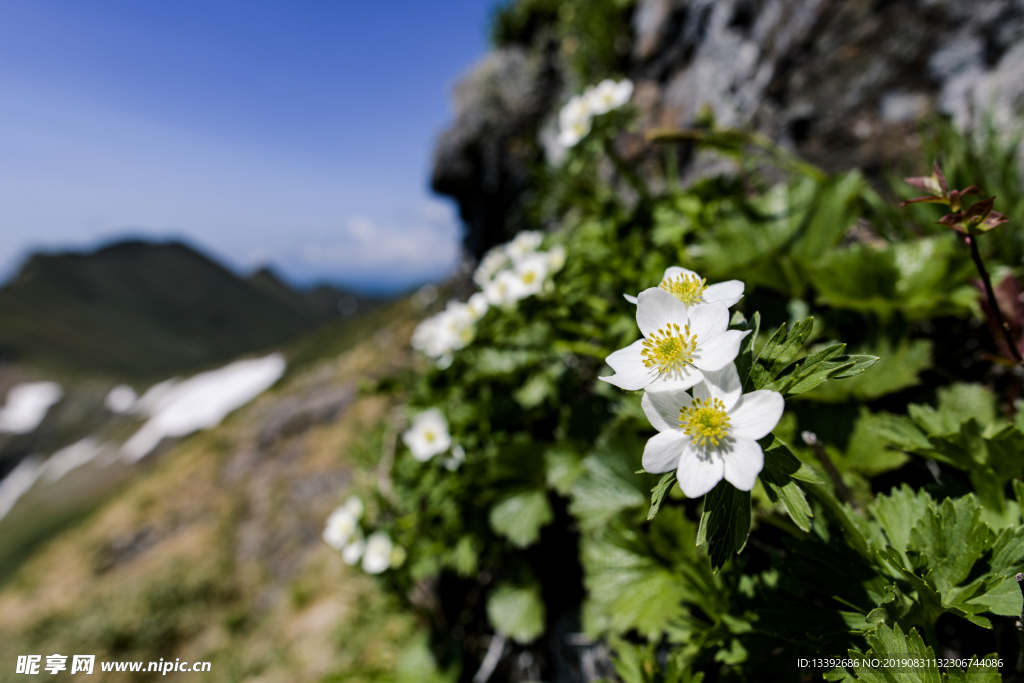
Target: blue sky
298, 134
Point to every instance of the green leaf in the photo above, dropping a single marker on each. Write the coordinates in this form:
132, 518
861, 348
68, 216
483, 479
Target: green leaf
745, 359
659, 491
780, 468
890, 643
517, 612
778, 351
725, 523
521, 516
898, 368
609, 484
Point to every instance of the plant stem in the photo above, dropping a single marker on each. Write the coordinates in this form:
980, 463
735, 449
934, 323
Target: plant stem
992, 303
626, 171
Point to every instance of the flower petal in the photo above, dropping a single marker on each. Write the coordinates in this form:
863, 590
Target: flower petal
656, 308
630, 298
672, 272
630, 372
708, 321
662, 408
727, 293
720, 352
744, 459
678, 380
662, 452
722, 384
756, 414
699, 470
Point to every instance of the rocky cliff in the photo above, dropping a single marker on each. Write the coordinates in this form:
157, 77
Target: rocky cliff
842, 82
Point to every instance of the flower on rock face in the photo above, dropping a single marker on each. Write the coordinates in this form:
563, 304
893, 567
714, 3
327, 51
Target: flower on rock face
428, 435
377, 556
340, 528
678, 347
711, 435
608, 95
691, 288
448, 331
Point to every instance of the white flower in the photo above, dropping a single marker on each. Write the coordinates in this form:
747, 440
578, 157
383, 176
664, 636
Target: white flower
353, 551
458, 456
679, 345
355, 506
608, 95
524, 244
448, 331
490, 264
340, 527
500, 290
428, 435
529, 276
556, 258
712, 435
691, 289
477, 305
377, 556
570, 135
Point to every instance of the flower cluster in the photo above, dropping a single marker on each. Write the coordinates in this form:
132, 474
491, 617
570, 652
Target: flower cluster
708, 429
428, 436
506, 274
576, 116
344, 533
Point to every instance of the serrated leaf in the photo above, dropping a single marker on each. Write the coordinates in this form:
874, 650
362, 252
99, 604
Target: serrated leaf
780, 349
608, 484
724, 523
780, 466
517, 612
658, 493
745, 359
520, 517
890, 643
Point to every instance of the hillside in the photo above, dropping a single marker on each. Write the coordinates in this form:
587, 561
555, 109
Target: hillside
234, 572
142, 310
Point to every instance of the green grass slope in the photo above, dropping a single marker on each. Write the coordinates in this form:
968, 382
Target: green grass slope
140, 310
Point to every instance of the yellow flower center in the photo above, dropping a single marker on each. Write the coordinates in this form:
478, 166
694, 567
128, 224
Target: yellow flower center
429, 436
670, 348
528, 277
705, 420
686, 288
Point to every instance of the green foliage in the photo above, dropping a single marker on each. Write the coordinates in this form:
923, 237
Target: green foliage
813, 559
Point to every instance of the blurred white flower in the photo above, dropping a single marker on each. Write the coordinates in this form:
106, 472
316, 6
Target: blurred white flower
340, 527
428, 435
608, 95
377, 556
121, 399
679, 345
574, 121
691, 289
523, 244
355, 506
445, 332
711, 435
353, 551
530, 274
556, 258
490, 264
477, 305
500, 290
571, 134
458, 456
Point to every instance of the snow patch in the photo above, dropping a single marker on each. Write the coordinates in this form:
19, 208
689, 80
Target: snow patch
27, 405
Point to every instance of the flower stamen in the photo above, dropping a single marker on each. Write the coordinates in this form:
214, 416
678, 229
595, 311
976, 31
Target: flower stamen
687, 288
669, 349
705, 420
